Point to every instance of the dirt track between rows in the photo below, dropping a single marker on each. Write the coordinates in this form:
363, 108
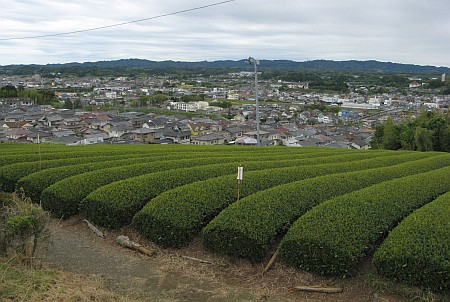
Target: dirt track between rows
170, 277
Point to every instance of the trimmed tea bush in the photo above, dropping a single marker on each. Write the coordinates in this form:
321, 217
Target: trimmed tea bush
247, 228
34, 183
417, 251
10, 174
333, 237
174, 217
70, 154
63, 197
114, 205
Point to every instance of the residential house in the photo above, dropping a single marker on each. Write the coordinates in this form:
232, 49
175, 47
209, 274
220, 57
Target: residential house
232, 133
14, 125
263, 135
322, 139
62, 133
90, 139
246, 141
208, 139
339, 144
157, 124
38, 137
66, 140
51, 120
179, 134
17, 133
17, 102
146, 135
117, 132
360, 144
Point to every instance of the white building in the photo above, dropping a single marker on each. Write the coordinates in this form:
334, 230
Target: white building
189, 106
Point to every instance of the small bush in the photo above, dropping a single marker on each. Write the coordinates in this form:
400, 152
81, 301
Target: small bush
23, 229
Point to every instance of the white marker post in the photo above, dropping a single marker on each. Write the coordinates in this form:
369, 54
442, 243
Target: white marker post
240, 176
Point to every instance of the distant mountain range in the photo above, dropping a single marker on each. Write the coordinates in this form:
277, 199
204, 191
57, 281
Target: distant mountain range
323, 65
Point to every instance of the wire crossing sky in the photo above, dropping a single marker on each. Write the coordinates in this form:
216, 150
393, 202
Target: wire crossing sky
117, 24
50, 31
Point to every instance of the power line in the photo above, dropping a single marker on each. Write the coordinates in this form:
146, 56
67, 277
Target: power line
117, 24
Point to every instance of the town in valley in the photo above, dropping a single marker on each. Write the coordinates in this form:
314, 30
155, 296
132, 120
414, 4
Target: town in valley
207, 109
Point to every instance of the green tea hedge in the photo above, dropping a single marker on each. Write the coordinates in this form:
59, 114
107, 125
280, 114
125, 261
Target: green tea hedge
63, 197
10, 174
34, 183
70, 154
248, 228
114, 205
417, 251
175, 216
333, 237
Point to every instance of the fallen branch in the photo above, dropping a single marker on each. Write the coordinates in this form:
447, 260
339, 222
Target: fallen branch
93, 228
317, 289
197, 259
271, 261
124, 241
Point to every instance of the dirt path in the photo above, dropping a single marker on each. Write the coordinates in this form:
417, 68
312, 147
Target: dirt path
170, 277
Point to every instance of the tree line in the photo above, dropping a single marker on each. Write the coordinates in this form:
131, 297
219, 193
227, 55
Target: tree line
41, 96
430, 131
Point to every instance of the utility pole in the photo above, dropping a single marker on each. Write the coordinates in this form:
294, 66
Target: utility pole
255, 63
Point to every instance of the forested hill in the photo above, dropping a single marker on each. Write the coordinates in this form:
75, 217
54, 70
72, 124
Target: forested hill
320, 65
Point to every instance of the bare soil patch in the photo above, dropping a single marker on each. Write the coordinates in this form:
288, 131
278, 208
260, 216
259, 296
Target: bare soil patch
168, 276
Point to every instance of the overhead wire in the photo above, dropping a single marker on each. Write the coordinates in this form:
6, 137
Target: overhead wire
117, 24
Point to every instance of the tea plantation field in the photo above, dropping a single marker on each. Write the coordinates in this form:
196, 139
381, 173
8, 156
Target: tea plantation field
331, 207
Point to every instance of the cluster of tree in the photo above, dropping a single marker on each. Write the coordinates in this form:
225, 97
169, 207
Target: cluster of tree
192, 98
222, 104
76, 104
8, 91
41, 96
428, 132
323, 108
152, 100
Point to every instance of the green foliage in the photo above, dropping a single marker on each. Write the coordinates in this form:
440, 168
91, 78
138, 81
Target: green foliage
423, 139
248, 227
41, 152
114, 205
152, 100
333, 237
186, 187
192, 98
377, 141
393, 80
62, 198
417, 251
23, 227
76, 104
33, 184
172, 218
391, 139
222, 104
10, 174
8, 91
41, 96
428, 132
323, 108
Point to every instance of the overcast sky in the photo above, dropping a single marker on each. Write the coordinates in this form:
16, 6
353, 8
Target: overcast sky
403, 31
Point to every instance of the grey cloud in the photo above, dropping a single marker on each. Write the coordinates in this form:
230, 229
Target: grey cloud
407, 31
